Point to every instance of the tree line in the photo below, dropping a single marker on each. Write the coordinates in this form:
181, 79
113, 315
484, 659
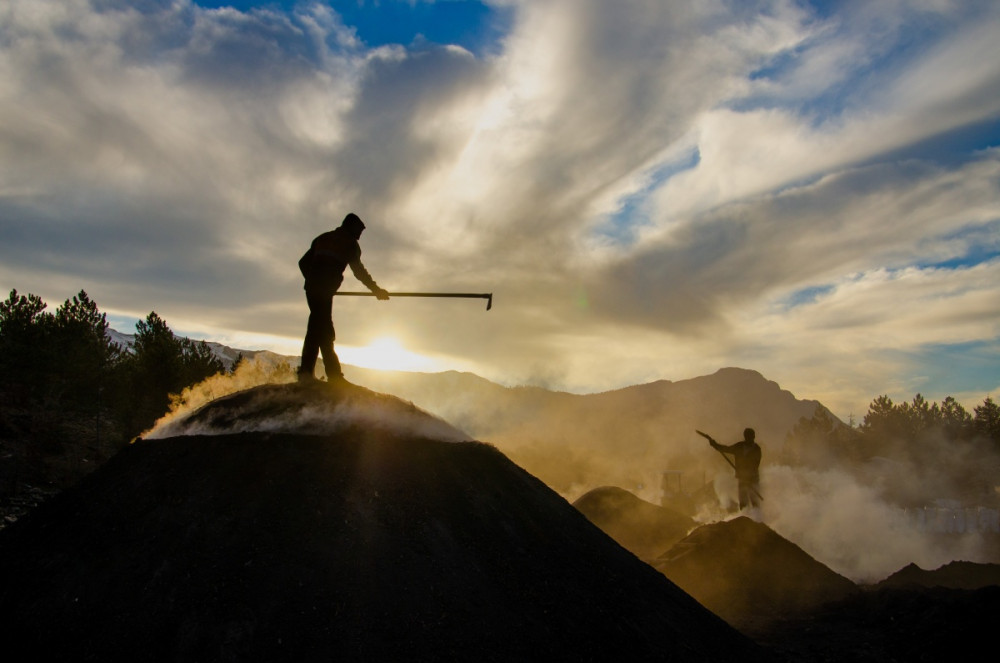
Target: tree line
888, 423
70, 397
926, 440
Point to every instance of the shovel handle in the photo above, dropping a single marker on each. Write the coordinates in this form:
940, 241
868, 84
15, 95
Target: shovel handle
488, 296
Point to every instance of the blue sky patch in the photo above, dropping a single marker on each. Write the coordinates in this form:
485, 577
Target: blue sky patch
983, 244
950, 148
807, 295
473, 25
960, 367
620, 226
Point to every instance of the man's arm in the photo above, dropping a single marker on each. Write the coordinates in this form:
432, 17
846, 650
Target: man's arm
362, 275
716, 445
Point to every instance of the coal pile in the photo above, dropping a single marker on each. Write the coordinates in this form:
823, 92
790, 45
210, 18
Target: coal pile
745, 572
363, 539
643, 528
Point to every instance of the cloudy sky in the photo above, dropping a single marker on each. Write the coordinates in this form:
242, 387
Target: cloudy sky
652, 189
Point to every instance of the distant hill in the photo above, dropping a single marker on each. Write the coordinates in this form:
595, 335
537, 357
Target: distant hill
349, 535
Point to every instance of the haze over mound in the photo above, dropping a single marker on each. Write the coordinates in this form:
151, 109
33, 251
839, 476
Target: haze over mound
363, 542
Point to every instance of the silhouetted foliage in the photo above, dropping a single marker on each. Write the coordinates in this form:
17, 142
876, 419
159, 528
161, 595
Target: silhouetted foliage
987, 420
70, 397
908, 422
932, 442
162, 364
23, 329
820, 438
906, 429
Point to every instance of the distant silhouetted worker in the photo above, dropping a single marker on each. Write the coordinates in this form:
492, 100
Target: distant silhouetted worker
323, 268
746, 462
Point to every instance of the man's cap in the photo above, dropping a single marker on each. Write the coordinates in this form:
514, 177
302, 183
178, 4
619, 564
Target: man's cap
352, 220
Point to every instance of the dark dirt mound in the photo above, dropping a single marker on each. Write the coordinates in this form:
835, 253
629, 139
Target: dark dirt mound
370, 543
957, 575
639, 526
744, 572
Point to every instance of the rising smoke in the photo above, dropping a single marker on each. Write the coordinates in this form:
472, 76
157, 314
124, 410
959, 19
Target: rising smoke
852, 526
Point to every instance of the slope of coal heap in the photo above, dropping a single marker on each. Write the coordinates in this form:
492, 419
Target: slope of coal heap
639, 526
956, 575
368, 543
743, 570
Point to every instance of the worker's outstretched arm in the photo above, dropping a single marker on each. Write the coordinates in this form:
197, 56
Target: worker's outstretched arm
715, 445
362, 275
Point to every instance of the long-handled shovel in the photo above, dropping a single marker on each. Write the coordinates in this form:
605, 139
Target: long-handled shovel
465, 295
728, 460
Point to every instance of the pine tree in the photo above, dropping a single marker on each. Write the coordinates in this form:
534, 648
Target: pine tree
956, 422
987, 420
161, 365
25, 329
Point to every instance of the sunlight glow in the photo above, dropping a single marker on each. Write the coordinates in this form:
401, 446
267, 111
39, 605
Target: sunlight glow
386, 354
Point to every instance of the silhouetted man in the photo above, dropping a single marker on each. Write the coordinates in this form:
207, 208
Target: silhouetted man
323, 267
746, 461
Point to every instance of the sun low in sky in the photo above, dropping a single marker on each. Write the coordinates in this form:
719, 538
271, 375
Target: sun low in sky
654, 189
387, 354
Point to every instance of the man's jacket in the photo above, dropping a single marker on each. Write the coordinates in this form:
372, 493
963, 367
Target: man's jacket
746, 457
324, 263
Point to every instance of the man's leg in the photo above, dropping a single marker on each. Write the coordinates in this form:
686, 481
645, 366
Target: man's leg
319, 333
322, 307
331, 362
744, 494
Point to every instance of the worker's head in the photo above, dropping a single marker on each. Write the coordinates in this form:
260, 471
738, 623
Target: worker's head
353, 224
749, 435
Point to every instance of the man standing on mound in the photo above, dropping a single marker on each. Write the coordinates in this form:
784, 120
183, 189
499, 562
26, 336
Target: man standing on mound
323, 268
